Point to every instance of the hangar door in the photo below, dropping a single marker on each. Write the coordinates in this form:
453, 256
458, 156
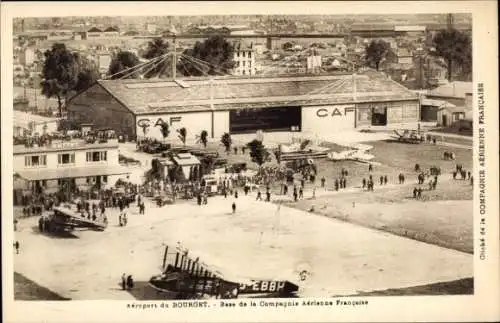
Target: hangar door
324, 120
266, 119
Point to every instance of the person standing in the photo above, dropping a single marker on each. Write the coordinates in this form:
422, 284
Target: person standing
364, 183
336, 184
124, 281
268, 196
370, 167
16, 246
125, 220
386, 180
234, 207
323, 180
259, 196
130, 282
344, 182
301, 193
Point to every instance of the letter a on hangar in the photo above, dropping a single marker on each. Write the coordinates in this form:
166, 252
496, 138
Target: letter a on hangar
159, 122
324, 113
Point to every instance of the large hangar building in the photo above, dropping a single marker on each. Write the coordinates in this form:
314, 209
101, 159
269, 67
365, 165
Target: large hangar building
320, 105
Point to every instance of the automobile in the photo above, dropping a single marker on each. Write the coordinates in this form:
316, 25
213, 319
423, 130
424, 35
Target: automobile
162, 200
237, 167
210, 184
220, 163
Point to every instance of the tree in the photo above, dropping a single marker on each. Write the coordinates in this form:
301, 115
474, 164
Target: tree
59, 73
156, 48
207, 164
376, 52
164, 129
122, 61
215, 51
226, 141
455, 48
88, 74
203, 138
182, 135
258, 152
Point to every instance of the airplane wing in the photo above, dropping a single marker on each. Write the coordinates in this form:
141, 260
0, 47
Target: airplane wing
363, 156
398, 134
73, 219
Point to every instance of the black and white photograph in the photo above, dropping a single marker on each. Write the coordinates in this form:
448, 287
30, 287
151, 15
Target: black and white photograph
239, 160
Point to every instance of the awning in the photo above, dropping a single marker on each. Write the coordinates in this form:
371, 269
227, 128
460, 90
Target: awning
186, 160
72, 172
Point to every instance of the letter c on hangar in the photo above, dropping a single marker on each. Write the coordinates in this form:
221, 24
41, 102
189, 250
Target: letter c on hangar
322, 113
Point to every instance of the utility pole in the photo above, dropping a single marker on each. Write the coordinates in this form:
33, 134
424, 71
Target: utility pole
174, 58
36, 101
212, 105
354, 89
421, 73
449, 21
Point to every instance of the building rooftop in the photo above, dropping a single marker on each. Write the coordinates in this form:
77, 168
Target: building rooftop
437, 103
372, 27
23, 119
59, 146
72, 172
194, 94
452, 90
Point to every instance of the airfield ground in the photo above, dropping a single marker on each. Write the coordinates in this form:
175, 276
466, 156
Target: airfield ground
385, 243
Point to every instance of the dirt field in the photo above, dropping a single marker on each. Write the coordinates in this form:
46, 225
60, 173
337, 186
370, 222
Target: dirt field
27, 290
257, 242
358, 242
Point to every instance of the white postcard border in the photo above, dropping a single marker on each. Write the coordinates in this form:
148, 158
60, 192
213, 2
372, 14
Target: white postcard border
482, 306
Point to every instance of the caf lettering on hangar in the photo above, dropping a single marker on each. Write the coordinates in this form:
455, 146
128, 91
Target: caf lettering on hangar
145, 123
322, 113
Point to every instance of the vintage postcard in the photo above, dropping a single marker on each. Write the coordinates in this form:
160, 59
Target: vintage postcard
250, 161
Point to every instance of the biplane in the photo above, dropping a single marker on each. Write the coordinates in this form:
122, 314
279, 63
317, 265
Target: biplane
359, 152
408, 136
62, 219
188, 278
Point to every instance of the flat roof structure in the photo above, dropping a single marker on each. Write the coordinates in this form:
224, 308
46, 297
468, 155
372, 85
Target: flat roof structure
71, 172
23, 119
455, 89
59, 146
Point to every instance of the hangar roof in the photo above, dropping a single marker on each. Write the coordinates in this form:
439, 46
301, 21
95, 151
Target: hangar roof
197, 94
